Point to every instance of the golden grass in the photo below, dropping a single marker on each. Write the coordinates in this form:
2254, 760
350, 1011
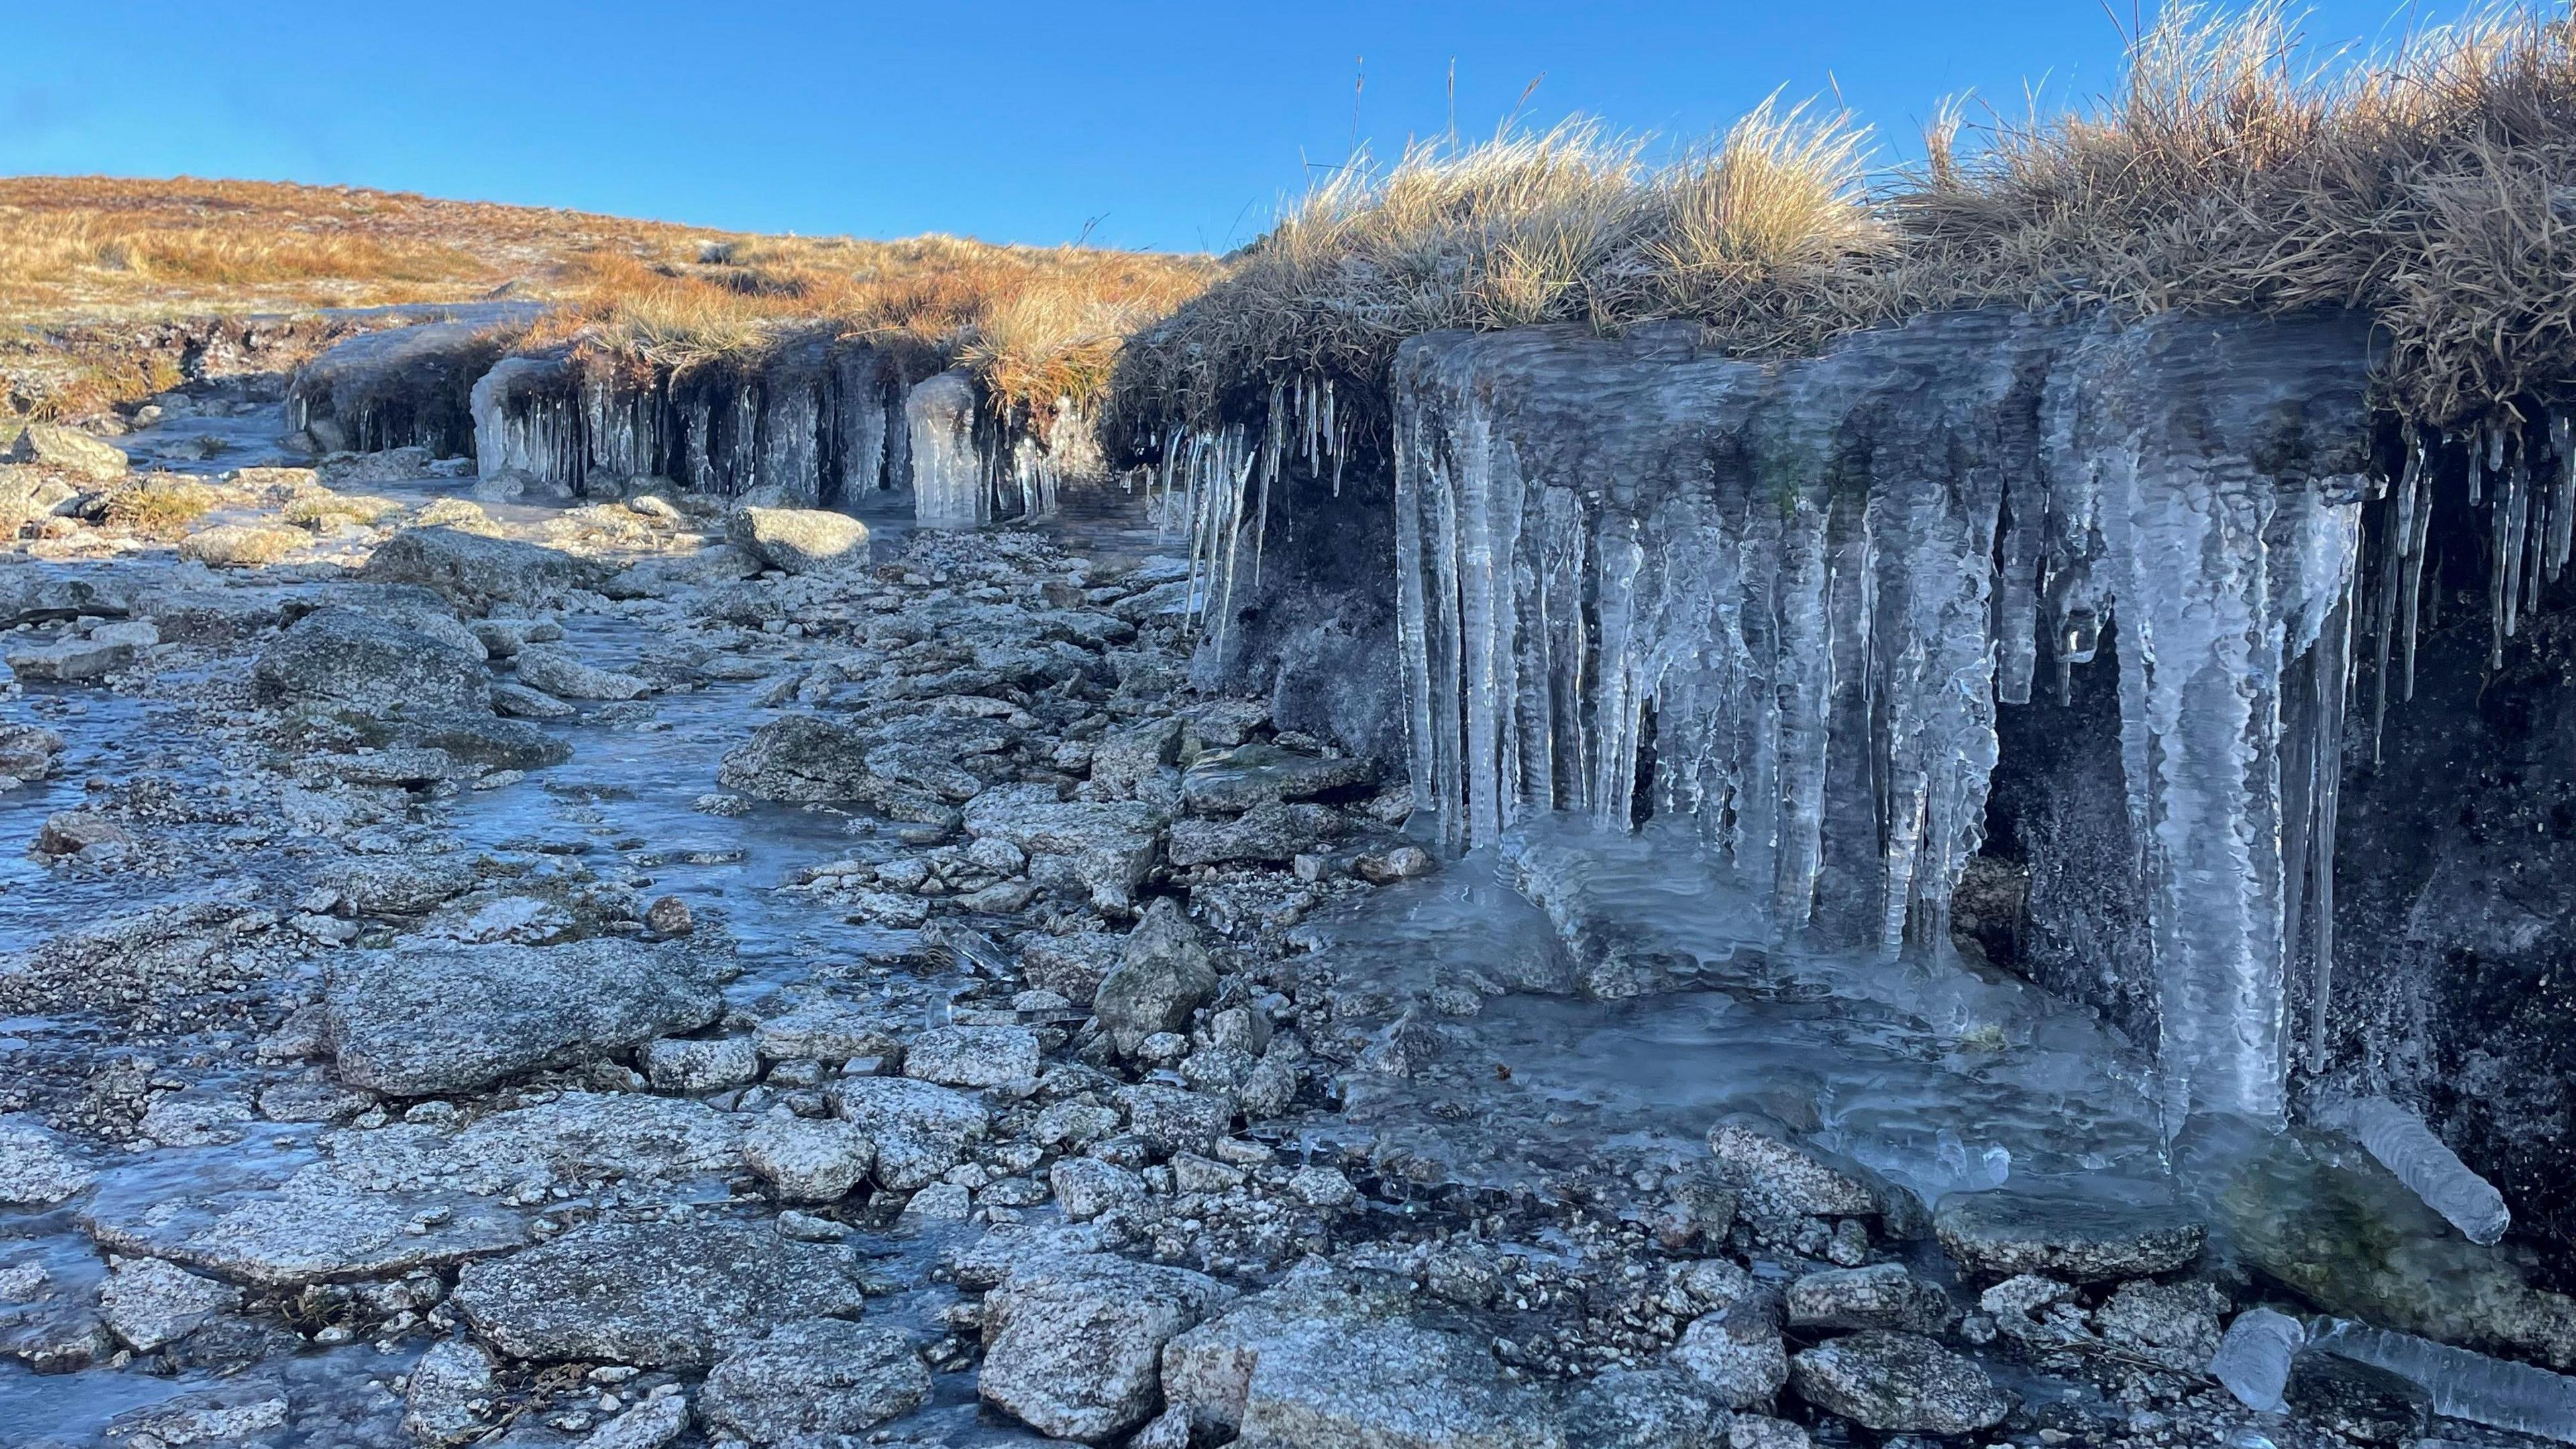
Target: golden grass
2433, 186
159, 505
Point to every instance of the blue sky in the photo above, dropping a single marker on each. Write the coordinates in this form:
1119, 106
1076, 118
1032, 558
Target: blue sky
1176, 126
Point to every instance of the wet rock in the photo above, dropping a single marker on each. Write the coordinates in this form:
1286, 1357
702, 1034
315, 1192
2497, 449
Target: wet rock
801, 759
661, 1419
1786, 1178
1318, 1186
809, 1161
197, 1117
825, 1031
1273, 834
482, 739
68, 450
410, 886
36, 1166
920, 1130
1169, 1119
1072, 965
520, 702
558, 672
414, 1022
2357, 1400
1644, 1409
224, 1414
972, 1056
1759, 1431
28, 752
241, 545
1328, 1361
657, 1295
819, 1376
578, 1138
1252, 775
1736, 1352
1103, 850
1898, 1383
800, 540
2077, 1240
72, 661
148, 1303
317, 1226
1086, 1187
2172, 1324
669, 917
1073, 1343
477, 571
70, 832
1881, 1296
438, 1406
342, 657
1162, 978
952, 1201
683, 1065
503, 638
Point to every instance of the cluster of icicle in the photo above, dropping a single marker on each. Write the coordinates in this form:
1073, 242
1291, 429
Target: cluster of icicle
1218, 481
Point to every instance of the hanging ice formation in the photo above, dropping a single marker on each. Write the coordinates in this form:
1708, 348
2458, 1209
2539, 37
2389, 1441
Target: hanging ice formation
1785, 601
1219, 482
970, 466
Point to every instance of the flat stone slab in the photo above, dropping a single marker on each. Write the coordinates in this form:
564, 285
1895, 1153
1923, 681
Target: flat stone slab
410, 1021
1262, 774
657, 1295
2003, 1234
316, 1227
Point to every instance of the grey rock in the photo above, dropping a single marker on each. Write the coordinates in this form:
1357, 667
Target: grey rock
410, 1023
807, 1160
1086, 1187
2077, 1240
36, 1167
818, 1376
1121, 758
683, 1065
1073, 1343
1101, 850
28, 752
1880, 1296
71, 661
800, 540
148, 1303
972, 1056
1899, 1383
1645, 1409
661, 1419
68, 450
825, 1031
317, 1226
409, 886
453, 1375
2359, 1401
488, 740
520, 702
2173, 1324
1071, 965
342, 657
502, 638
557, 671
477, 571
801, 759
920, 1130
1787, 1178
1162, 978
1736, 1353
70, 832
1272, 833
657, 1295
1263, 774
1171, 1120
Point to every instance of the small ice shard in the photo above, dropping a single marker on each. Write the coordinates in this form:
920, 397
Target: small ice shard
2430, 1170
2464, 1385
2253, 1360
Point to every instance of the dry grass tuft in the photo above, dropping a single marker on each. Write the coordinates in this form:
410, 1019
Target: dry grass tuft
2433, 186
158, 505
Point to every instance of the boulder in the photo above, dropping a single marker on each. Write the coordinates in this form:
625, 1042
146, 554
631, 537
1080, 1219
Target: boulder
800, 540
818, 1376
972, 1056
807, 1160
28, 752
920, 1130
556, 671
35, 1165
241, 545
1247, 776
1102, 850
1072, 1343
1162, 978
1645, 1409
1898, 1383
687, 1065
438, 1405
801, 759
338, 656
68, 450
477, 571
1882, 1295
1086, 1187
1736, 1353
419, 1021
656, 1295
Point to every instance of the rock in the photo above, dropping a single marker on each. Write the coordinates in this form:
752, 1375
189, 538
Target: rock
28, 752
1785, 1178
414, 1022
1122, 758
1899, 1383
35, 1167
2078, 1240
825, 1031
801, 759
817, 1376
1253, 775
809, 1161
503, 638
68, 450
660, 1419
575, 1140
2173, 1324
669, 917
148, 1303
1162, 978
1881, 1296
2357, 1400
1321, 1187
1328, 1361
800, 540
339, 656
1644, 1409
1102, 850
1072, 1344
972, 1056
316, 1226
241, 545
1072, 965
656, 1295
952, 1201
1272, 833
450, 1378
69, 832
410, 886
1171, 1120
71, 661
1086, 1187
477, 571
225, 1413
520, 702
681, 1065
1736, 1352
1759, 1431
1385, 867
557, 672
482, 739
920, 1130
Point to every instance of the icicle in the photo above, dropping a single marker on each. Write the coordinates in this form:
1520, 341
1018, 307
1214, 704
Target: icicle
2333, 671
2394, 538
2562, 503
2465, 1385
2410, 604
2253, 1360
2430, 1170
2504, 553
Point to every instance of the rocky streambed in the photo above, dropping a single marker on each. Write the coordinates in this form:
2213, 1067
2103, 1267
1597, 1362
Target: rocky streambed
659, 972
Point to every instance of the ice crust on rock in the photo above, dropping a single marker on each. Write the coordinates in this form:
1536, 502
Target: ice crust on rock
1800, 592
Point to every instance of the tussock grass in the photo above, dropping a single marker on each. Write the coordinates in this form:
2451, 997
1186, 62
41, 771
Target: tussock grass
2433, 186
158, 505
